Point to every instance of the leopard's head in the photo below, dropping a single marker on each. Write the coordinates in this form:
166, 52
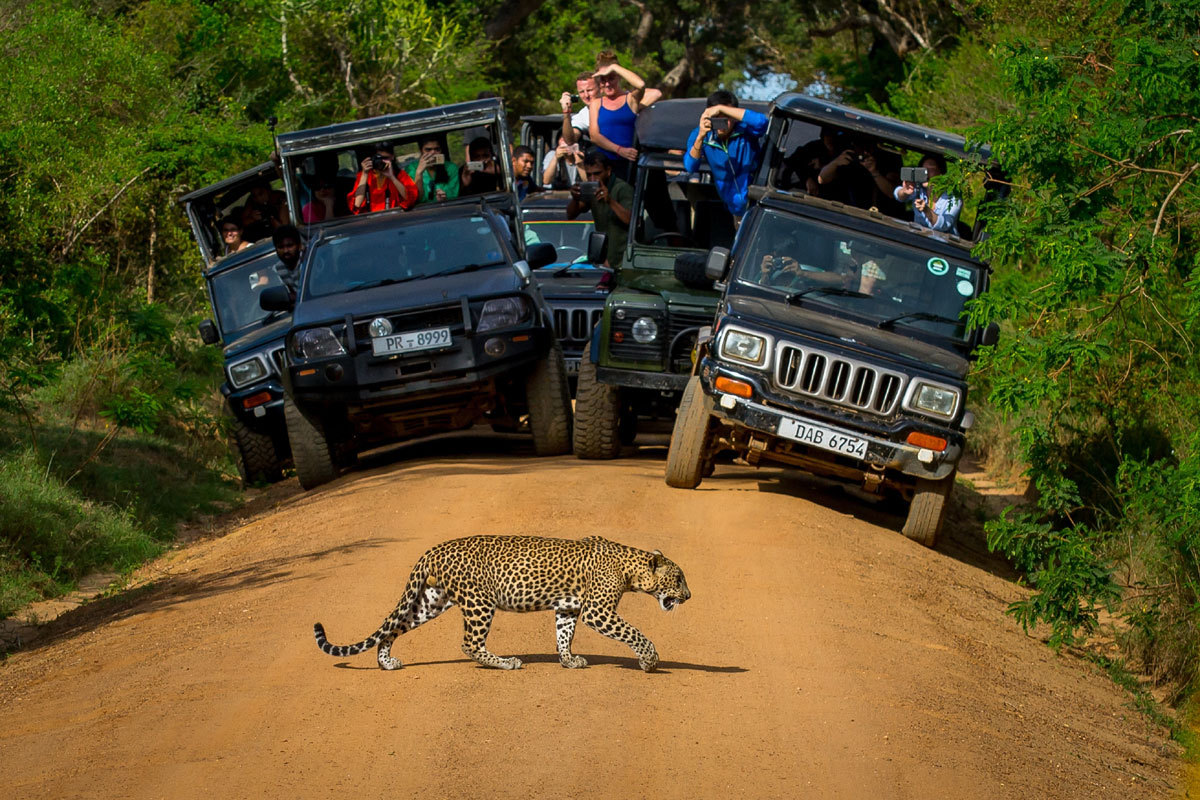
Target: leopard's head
662, 577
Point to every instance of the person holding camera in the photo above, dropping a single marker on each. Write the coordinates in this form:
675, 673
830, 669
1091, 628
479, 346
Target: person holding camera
610, 200
481, 173
575, 126
729, 138
379, 185
560, 167
939, 212
435, 177
861, 175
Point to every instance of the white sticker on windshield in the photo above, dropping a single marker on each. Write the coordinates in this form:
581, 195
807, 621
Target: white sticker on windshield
476, 219
963, 272
938, 266
965, 288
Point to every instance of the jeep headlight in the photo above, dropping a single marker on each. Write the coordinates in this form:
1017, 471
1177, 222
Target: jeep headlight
502, 313
941, 401
744, 347
644, 330
246, 372
317, 343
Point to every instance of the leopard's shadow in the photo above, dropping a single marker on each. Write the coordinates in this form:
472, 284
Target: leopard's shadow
541, 658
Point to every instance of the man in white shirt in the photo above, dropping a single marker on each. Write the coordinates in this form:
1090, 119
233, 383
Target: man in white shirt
575, 126
560, 167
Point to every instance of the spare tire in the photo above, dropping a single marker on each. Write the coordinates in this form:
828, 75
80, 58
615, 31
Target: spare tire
689, 270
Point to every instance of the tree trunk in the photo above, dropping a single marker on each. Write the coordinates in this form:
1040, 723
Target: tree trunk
153, 240
510, 15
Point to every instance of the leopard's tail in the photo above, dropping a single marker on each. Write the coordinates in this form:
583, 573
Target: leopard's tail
394, 621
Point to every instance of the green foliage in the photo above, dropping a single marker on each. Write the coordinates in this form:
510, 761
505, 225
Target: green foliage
1095, 251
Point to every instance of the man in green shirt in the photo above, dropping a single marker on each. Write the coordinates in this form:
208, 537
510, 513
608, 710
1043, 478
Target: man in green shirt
610, 200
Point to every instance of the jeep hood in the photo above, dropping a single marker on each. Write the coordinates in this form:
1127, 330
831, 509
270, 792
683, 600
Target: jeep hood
580, 284
665, 285
853, 335
259, 337
434, 290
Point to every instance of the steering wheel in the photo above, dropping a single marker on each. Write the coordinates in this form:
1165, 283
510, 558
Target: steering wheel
570, 254
686, 241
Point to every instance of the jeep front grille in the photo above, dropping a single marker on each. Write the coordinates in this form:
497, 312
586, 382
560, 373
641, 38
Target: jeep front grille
837, 380
277, 359
447, 316
682, 330
575, 323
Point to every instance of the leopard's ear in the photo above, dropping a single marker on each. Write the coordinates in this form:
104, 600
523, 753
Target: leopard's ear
656, 559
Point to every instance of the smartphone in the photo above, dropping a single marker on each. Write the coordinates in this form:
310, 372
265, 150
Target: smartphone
588, 189
474, 166
438, 159
917, 175
721, 124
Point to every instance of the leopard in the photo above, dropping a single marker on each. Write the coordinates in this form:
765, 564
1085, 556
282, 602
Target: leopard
579, 580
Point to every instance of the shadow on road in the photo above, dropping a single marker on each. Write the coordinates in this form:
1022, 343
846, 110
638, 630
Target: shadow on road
164, 594
544, 658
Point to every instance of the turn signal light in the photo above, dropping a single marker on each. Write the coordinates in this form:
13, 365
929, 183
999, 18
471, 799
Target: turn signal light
256, 400
918, 439
730, 386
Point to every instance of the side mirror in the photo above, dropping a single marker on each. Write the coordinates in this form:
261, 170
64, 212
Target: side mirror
523, 271
717, 263
209, 333
275, 298
990, 335
540, 254
597, 243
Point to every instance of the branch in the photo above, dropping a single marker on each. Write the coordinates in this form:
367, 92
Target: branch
509, 16
645, 21
283, 43
1162, 209
75, 236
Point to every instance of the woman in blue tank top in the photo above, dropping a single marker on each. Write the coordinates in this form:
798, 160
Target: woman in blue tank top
613, 114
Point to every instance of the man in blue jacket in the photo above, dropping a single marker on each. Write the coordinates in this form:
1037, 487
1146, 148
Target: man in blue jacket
729, 138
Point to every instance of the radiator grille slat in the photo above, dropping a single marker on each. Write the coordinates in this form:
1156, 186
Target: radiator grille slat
836, 379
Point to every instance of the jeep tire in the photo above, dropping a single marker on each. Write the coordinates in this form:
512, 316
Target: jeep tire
688, 454
312, 452
597, 413
927, 510
548, 396
255, 454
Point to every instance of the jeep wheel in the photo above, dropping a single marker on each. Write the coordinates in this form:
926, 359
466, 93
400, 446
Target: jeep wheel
254, 452
549, 399
688, 453
312, 451
927, 510
597, 413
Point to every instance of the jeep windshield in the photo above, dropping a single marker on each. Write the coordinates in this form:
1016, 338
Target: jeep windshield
235, 293
569, 237
362, 259
892, 285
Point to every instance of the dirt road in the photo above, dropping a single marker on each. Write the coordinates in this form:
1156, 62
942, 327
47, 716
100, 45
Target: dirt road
822, 655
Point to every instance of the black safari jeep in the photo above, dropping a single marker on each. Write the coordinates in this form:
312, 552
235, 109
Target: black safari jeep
415, 322
639, 355
252, 338
839, 345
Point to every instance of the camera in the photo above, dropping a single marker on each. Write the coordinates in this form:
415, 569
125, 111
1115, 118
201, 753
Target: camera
474, 166
917, 175
588, 189
574, 98
378, 163
721, 124
438, 159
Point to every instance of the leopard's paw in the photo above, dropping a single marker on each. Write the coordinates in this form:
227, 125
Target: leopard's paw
510, 663
649, 661
574, 662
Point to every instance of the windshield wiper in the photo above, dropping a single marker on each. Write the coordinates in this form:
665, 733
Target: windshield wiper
890, 322
406, 279
838, 290
558, 272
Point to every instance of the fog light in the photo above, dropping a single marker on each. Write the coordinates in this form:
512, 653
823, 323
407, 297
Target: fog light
334, 372
618, 337
494, 347
379, 327
739, 388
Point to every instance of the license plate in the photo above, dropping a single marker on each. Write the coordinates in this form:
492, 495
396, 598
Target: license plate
572, 366
822, 437
411, 341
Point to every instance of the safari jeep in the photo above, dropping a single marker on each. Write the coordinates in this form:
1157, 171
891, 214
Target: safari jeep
639, 355
410, 323
251, 337
839, 346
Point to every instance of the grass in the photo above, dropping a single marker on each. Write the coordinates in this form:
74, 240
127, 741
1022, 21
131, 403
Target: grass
86, 500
